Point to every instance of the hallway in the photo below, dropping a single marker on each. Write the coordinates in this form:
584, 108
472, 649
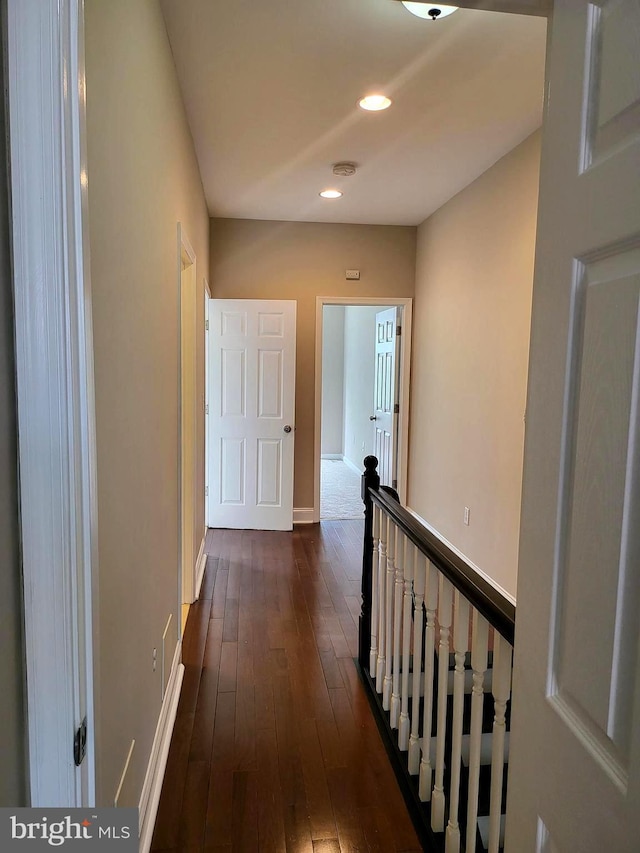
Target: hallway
275, 747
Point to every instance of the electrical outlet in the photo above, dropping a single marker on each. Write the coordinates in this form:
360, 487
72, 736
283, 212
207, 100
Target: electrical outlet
466, 515
363, 447
155, 659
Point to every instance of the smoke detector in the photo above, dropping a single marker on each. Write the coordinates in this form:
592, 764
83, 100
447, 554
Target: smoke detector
344, 170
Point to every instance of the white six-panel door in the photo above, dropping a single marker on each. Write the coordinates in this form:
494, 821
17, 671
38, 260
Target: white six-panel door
251, 411
574, 772
384, 414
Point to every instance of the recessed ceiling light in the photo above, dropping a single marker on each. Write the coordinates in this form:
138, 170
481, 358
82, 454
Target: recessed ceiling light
374, 103
331, 194
429, 10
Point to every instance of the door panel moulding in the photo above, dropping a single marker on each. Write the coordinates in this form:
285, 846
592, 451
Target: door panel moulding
406, 305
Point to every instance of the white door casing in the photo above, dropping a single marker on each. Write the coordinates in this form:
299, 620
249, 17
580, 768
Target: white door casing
55, 392
385, 395
207, 299
574, 773
251, 413
187, 433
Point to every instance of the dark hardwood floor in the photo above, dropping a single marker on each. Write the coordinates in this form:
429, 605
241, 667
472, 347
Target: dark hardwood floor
275, 747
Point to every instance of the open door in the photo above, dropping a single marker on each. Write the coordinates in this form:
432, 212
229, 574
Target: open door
386, 408
575, 740
251, 409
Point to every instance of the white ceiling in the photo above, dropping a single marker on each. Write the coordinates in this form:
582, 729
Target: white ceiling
271, 91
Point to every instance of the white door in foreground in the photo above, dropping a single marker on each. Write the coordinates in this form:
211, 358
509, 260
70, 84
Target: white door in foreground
385, 415
574, 771
252, 345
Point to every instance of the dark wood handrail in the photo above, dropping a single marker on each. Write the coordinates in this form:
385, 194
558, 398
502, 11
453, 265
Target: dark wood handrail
496, 609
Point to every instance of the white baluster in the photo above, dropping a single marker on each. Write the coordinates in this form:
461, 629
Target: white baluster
382, 598
501, 688
460, 646
388, 628
419, 582
397, 625
375, 570
431, 605
479, 646
444, 619
405, 723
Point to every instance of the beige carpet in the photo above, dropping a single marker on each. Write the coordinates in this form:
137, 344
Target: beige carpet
339, 491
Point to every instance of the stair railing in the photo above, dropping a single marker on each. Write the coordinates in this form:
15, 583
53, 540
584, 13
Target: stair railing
432, 630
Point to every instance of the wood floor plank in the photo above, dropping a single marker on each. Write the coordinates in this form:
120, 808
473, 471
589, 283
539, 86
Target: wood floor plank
219, 593
194, 806
321, 819
271, 831
204, 718
228, 668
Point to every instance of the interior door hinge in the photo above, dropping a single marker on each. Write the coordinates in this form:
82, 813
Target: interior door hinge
206, 491
206, 408
206, 325
396, 408
394, 484
398, 330
80, 743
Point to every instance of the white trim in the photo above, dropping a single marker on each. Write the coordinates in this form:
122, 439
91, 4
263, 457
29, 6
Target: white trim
186, 260
201, 564
353, 467
406, 305
185, 247
303, 515
333, 456
125, 770
152, 787
55, 392
207, 299
463, 556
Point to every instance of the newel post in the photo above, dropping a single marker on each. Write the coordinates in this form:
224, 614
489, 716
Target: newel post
370, 480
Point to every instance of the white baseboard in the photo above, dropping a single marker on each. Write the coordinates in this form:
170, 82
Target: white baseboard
150, 797
303, 515
332, 456
353, 467
201, 564
457, 551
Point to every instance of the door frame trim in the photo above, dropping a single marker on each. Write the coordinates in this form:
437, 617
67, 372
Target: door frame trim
406, 305
187, 574
55, 392
207, 449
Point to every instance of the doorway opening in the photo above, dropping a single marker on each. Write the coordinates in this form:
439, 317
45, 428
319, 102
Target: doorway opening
357, 376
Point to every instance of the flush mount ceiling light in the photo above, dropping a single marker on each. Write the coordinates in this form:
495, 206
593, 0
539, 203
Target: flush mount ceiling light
374, 103
429, 10
331, 194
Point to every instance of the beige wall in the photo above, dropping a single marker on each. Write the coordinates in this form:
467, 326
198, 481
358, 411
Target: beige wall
12, 711
469, 367
253, 259
143, 179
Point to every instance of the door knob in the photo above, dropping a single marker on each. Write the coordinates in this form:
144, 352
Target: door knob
372, 418
287, 428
